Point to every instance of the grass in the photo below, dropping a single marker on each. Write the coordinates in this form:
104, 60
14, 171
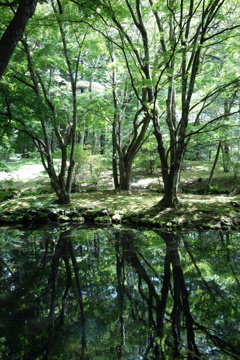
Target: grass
29, 186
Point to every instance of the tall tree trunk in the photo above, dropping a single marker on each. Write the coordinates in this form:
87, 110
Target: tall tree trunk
115, 168
127, 152
170, 172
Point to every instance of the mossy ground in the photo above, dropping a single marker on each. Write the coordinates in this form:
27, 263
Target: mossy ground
199, 205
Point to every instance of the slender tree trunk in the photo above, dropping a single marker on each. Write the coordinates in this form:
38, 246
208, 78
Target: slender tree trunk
115, 169
226, 157
126, 153
61, 187
62, 184
102, 142
214, 164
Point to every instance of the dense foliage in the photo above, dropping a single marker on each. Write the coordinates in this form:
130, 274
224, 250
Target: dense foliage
147, 82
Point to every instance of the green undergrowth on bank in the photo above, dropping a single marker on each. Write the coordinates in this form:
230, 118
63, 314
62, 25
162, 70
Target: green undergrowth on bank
25, 194
136, 208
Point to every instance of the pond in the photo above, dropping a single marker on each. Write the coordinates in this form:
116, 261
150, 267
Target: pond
119, 293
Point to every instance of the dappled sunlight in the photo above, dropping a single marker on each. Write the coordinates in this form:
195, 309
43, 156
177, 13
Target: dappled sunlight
34, 193
206, 199
21, 204
114, 201
13, 205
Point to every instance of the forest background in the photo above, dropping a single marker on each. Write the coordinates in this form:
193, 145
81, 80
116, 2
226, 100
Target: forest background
124, 88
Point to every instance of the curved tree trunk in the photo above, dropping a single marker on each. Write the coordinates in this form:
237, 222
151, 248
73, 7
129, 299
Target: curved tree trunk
14, 31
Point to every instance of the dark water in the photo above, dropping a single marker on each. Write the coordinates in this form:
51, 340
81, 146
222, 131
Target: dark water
102, 294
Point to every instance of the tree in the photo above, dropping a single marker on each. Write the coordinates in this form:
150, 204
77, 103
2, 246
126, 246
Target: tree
193, 31
130, 115
15, 30
163, 74
47, 75
129, 128
166, 46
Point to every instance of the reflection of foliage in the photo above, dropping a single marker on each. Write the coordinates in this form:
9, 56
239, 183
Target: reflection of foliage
213, 299
121, 293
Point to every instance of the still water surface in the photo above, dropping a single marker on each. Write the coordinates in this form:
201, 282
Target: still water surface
119, 293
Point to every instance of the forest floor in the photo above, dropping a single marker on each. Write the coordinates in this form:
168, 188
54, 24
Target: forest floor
26, 197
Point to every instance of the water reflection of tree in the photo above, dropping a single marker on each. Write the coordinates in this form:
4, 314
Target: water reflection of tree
157, 304
176, 335
218, 320
65, 251
34, 318
120, 294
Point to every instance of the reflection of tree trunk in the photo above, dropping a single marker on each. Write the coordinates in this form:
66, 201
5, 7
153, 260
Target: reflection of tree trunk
227, 245
84, 353
172, 248
217, 340
56, 323
198, 270
120, 289
180, 298
132, 258
158, 306
65, 250
152, 298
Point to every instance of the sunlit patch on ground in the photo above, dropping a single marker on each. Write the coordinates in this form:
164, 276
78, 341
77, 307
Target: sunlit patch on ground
206, 199
29, 179
24, 174
144, 184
